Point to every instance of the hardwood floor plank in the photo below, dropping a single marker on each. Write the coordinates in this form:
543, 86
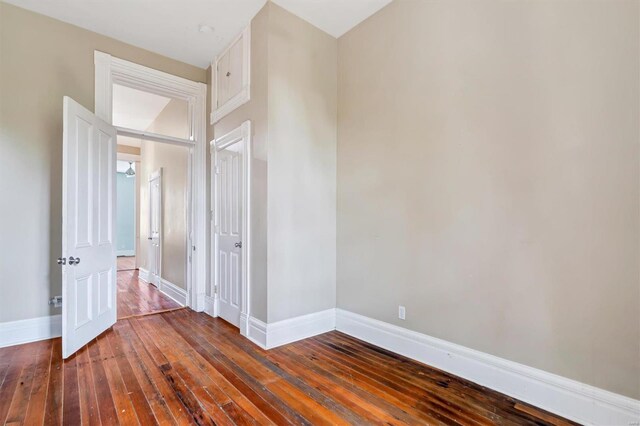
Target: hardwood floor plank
457, 409
18, 359
88, 402
6, 358
152, 371
38, 399
25, 381
106, 405
55, 387
138, 399
71, 413
183, 368
157, 403
124, 407
136, 297
273, 408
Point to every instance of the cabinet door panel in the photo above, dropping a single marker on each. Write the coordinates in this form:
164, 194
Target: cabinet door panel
234, 84
223, 79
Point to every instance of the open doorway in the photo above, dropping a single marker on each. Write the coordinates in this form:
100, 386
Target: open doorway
89, 244
152, 192
126, 215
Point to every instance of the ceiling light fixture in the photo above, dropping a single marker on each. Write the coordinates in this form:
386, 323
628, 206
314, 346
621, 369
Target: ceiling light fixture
205, 28
130, 172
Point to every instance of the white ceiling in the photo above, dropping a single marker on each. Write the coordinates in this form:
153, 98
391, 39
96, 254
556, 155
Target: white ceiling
171, 27
335, 17
168, 27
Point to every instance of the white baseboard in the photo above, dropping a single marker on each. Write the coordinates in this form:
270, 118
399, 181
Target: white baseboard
143, 274
573, 400
210, 306
298, 328
256, 331
269, 336
126, 253
30, 330
173, 291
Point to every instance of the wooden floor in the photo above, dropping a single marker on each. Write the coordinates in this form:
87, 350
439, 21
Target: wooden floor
126, 263
136, 297
183, 367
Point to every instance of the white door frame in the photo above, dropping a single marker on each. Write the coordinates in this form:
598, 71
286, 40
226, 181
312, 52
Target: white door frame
153, 176
241, 133
109, 71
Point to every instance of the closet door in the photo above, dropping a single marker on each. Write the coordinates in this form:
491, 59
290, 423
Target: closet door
222, 79
234, 70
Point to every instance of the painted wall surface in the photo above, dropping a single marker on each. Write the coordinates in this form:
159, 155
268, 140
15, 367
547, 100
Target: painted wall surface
42, 60
174, 161
488, 179
294, 118
256, 111
302, 111
125, 214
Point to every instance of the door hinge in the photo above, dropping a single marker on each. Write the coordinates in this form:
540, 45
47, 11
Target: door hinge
217, 169
56, 302
215, 289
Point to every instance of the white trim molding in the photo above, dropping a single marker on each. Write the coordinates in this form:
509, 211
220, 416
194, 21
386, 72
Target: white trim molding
30, 330
123, 156
568, 398
244, 95
269, 336
242, 134
109, 71
144, 275
173, 292
211, 306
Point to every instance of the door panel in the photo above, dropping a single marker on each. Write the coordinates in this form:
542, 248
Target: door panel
223, 79
88, 192
229, 207
234, 84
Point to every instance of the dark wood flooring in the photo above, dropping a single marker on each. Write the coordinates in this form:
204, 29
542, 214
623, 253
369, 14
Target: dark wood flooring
184, 367
136, 297
126, 263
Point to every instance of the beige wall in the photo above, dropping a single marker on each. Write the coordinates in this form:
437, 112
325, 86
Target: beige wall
302, 110
41, 60
488, 179
256, 111
174, 161
293, 116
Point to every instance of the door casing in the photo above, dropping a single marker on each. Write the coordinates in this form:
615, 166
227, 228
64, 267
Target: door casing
240, 134
109, 71
155, 276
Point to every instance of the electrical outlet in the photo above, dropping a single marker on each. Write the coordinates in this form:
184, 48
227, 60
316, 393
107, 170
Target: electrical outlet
401, 312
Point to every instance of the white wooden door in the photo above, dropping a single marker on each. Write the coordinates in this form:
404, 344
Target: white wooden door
155, 227
88, 227
229, 207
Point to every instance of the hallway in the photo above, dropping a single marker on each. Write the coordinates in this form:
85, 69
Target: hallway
136, 297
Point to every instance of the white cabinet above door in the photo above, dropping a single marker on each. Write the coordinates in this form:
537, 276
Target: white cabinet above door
231, 75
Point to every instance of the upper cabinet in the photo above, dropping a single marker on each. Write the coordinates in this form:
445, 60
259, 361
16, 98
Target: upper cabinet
231, 76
